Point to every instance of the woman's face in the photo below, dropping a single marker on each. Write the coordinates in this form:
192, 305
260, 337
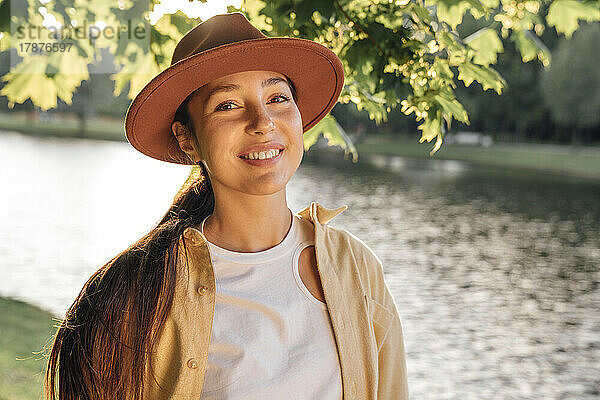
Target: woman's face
239, 111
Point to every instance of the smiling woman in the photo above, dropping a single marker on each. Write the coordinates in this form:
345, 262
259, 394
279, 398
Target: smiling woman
242, 120
233, 295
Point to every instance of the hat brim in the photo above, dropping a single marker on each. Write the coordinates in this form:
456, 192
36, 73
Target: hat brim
316, 72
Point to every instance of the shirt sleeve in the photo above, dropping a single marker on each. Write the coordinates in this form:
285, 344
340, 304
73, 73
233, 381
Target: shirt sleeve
393, 382
387, 324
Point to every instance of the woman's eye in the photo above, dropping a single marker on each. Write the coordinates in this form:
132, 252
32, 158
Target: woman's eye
285, 98
222, 105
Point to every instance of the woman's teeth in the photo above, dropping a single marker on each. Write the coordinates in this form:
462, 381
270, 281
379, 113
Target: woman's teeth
261, 155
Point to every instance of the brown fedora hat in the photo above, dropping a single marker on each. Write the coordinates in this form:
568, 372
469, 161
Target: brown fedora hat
226, 44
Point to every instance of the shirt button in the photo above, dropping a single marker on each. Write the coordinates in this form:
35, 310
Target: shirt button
192, 363
202, 289
353, 389
189, 235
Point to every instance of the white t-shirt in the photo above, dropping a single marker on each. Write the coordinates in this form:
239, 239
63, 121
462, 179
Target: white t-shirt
271, 338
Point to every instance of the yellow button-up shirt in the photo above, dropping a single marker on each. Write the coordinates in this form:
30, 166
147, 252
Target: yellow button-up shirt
364, 316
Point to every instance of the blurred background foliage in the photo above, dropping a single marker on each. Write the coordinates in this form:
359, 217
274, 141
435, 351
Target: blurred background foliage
400, 57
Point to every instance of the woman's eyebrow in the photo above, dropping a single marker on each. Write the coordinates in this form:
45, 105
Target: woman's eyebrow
232, 87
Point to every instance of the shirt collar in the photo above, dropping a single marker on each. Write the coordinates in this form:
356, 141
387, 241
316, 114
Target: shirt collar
315, 212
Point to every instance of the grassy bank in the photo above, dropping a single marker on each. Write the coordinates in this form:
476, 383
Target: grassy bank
24, 331
98, 128
563, 160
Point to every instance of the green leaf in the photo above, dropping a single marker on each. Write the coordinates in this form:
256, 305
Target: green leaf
490, 3
310, 137
252, 9
452, 11
486, 44
531, 47
455, 48
28, 80
442, 69
136, 73
419, 11
452, 107
488, 77
564, 15
432, 128
335, 135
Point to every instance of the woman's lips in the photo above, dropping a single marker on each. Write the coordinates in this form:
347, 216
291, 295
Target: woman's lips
257, 148
264, 162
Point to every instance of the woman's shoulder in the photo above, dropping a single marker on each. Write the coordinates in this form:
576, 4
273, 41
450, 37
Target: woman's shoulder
343, 246
343, 237
335, 235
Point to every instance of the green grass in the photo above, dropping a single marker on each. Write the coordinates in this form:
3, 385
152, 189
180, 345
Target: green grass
564, 160
24, 331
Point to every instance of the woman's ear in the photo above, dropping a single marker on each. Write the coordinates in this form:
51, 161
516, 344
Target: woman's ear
184, 138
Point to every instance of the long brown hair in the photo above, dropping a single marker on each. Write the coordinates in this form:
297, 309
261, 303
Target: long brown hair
102, 346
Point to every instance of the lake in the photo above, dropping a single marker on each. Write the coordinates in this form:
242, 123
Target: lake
495, 272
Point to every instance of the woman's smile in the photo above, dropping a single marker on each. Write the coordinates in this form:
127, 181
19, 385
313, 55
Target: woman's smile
263, 159
263, 154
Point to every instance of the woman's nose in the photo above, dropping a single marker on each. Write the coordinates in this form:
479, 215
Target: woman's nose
261, 120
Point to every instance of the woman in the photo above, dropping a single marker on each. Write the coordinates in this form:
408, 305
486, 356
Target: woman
232, 295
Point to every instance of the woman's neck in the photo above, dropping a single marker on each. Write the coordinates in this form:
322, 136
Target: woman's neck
248, 223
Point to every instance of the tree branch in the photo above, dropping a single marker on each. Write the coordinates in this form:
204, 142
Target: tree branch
360, 28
